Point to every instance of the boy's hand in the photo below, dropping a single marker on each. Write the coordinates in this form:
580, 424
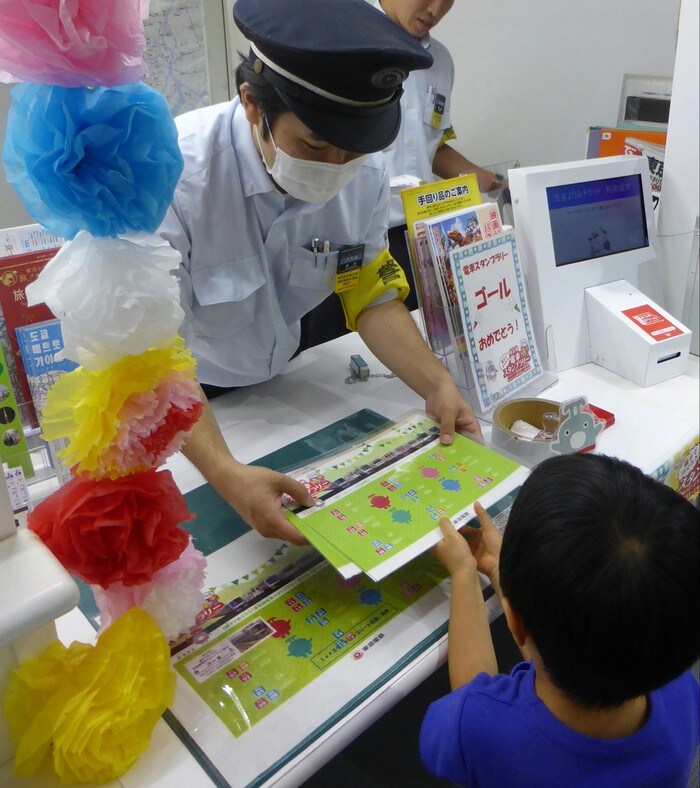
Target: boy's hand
453, 551
484, 543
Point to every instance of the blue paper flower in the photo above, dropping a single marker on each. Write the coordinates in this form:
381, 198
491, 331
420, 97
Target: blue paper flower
105, 160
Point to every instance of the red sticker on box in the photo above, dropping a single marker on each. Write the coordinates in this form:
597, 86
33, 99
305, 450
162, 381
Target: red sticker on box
656, 325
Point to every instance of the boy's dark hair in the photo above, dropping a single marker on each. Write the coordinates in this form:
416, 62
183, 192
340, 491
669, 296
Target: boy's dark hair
266, 97
601, 561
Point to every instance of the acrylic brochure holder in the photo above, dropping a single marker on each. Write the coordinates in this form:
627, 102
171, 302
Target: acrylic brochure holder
443, 329
460, 369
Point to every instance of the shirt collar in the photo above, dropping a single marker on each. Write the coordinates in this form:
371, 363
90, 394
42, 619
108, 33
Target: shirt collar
425, 41
254, 176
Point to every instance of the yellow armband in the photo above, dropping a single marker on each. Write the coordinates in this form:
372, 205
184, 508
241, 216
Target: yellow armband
447, 135
382, 274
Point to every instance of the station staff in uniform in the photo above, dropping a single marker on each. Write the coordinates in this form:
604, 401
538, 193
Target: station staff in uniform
421, 147
280, 203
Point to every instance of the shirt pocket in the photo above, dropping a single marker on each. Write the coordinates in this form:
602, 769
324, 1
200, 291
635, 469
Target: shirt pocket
311, 280
313, 270
226, 295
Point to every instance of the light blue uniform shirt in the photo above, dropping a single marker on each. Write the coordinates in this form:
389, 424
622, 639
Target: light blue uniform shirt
248, 274
413, 150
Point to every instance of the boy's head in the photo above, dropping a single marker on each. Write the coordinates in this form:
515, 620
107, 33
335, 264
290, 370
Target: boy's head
601, 562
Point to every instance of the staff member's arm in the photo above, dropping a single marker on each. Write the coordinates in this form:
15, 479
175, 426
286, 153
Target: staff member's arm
255, 493
389, 332
448, 163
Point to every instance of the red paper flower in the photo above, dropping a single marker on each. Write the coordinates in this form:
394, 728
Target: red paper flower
114, 530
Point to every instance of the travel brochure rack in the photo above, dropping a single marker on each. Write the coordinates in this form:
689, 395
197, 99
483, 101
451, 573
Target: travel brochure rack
472, 297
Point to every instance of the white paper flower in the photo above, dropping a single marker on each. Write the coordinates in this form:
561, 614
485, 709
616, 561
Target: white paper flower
115, 296
173, 598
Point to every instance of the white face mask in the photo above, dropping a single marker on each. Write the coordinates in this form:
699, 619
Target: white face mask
316, 182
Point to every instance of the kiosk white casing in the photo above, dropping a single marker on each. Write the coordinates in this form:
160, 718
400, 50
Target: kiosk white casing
634, 337
556, 291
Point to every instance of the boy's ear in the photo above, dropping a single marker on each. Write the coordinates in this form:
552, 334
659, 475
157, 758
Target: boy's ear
252, 112
515, 623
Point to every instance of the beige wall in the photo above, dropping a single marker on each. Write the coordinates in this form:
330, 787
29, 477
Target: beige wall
531, 77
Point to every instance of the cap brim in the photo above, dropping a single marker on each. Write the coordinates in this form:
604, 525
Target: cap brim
356, 129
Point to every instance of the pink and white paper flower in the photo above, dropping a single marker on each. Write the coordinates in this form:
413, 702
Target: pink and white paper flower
72, 43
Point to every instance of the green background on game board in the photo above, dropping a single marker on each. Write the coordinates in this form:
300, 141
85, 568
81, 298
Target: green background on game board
311, 624
217, 524
404, 502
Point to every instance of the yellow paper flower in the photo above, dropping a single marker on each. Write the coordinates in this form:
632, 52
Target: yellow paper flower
91, 709
90, 407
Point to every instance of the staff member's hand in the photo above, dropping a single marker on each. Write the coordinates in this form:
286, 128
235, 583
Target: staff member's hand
389, 332
446, 405
256, 494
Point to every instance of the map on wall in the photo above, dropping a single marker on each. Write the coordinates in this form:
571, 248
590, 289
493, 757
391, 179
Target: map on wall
176, 53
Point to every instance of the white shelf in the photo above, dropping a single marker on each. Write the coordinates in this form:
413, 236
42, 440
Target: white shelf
35, 588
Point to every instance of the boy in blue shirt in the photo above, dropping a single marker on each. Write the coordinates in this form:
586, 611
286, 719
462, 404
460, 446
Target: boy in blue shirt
598, 576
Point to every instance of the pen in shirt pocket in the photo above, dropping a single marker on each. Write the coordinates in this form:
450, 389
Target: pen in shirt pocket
326, 250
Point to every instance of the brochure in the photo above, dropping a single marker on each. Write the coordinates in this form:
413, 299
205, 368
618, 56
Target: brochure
16, 272
378, 502
422, 203
39, 346
495, 317
431, 199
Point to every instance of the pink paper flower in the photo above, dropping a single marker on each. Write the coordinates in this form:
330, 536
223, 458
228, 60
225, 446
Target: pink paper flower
126, 417
72, 43
173, 597
152, 426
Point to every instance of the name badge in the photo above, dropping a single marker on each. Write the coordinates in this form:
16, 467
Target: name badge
438, 110
349, 265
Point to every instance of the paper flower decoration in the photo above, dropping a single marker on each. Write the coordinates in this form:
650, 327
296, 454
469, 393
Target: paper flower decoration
114, 531
105, 160
72, 42
129, 415
152, 425
115, 296
173, 597
89, 711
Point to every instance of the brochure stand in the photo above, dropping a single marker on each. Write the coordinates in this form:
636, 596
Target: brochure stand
459, 367
441, 326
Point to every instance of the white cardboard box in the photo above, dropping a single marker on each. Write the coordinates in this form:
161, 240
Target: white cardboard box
633, 336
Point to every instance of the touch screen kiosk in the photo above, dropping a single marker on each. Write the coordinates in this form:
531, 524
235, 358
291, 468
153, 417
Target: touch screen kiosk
580, 224
633, 336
